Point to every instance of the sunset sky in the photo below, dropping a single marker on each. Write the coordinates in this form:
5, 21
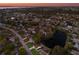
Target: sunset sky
37, 4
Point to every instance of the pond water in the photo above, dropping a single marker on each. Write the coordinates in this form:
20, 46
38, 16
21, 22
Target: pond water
58, 38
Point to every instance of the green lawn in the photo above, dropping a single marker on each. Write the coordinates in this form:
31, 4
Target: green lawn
34, 52
1, 37
30, 45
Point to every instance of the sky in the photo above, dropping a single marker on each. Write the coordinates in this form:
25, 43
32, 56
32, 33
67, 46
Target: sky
36, 4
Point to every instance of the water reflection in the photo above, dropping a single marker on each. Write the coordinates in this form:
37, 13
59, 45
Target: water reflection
58, 38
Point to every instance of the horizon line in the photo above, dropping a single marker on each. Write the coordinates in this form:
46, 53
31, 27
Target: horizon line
37, 4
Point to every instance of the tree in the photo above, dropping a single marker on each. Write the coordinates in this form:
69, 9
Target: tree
20, 39
22, 51
37, 37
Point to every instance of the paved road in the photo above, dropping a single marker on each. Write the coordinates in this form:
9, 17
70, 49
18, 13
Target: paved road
20, 38
75, 52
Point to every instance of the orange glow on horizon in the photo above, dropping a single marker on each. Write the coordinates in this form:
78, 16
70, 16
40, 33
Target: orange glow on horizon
36, 4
